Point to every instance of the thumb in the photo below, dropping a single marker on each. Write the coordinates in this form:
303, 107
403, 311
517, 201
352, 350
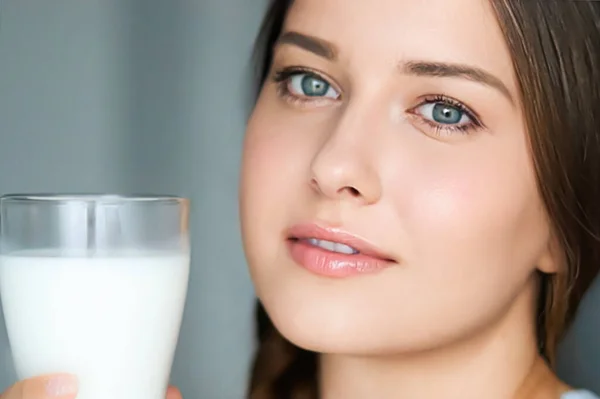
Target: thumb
172, 393
52, 386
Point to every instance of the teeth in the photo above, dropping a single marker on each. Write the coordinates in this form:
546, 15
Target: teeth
332, 246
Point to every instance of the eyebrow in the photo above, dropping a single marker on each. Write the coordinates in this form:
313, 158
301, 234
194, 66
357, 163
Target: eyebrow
445, 70
327, 50
312, 44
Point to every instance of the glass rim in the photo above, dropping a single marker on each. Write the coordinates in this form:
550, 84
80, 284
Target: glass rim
62, 198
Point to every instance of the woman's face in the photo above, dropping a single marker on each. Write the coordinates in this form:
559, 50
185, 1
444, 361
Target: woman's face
392, 126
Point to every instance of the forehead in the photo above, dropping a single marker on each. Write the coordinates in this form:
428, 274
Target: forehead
389, 31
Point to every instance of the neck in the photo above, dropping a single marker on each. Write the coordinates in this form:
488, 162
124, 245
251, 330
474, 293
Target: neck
498, 363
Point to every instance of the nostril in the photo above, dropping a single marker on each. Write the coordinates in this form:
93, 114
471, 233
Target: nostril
354, 192
315, 184
335, 191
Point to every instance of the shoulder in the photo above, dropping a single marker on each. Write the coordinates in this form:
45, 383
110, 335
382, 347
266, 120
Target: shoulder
579, 394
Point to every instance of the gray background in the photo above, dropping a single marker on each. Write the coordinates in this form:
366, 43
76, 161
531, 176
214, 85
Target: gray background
146, 96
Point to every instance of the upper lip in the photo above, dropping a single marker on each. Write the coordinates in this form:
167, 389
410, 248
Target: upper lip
313, 230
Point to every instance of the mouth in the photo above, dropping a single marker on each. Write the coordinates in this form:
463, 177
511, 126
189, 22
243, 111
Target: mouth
330, 246
333, 252
335, 240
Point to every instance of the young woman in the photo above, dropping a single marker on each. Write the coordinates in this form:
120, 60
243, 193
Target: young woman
419, 198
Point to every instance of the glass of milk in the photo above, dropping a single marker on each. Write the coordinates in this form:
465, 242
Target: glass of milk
95, 286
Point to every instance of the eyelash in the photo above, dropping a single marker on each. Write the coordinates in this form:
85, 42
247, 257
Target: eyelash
445, 129
282, 79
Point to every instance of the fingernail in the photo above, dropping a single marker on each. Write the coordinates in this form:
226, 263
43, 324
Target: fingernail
61, 386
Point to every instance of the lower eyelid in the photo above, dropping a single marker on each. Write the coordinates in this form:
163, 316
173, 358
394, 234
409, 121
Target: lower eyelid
441, 129
300, 101
284, 91
466, 111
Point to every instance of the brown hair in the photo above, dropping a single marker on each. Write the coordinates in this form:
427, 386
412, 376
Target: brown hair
555, 47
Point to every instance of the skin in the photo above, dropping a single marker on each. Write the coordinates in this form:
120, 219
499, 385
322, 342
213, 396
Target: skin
55, 386
458, 211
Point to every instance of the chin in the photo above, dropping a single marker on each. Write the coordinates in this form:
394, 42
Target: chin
356, 339
334, 326
328, 339
328, 317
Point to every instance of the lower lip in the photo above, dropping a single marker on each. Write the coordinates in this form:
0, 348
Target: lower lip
333, 264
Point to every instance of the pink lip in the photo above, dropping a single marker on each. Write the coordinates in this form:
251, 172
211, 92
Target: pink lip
332, 264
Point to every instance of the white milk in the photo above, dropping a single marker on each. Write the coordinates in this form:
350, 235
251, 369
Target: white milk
113, 321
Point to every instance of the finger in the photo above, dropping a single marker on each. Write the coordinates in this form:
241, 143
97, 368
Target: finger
172, 393
54, 386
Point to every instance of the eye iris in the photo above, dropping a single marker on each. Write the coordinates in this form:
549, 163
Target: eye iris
314, 87
446, 114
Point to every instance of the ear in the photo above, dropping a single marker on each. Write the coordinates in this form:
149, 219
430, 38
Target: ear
552, 259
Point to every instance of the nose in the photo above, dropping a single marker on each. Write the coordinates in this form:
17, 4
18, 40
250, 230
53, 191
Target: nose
345, 167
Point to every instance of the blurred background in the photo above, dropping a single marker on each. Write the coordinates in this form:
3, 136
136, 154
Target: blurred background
149, 96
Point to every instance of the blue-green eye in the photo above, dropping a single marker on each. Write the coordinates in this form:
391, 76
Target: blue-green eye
310, 85
444, 114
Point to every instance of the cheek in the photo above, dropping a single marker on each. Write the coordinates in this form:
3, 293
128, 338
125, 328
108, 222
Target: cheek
467, 233
275, 156
458, 202
482, 213
279, 146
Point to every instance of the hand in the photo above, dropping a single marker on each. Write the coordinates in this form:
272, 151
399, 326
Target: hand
55, 386
172, 393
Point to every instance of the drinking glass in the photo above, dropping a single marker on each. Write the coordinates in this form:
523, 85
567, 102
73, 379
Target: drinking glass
95, 285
